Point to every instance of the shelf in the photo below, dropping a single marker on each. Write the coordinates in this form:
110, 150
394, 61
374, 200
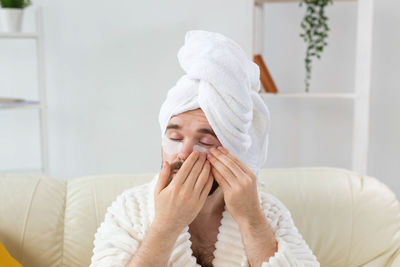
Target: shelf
18, 35
309, 95
21, 105
294, 1
359, 96
12, 104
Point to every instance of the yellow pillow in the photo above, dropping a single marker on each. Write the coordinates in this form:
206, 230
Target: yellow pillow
6, 259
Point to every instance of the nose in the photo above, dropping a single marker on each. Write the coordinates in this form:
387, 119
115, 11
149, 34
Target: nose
186, 150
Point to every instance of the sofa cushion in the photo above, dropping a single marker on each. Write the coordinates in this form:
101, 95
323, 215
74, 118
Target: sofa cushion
87, 201
32, 218
346, 218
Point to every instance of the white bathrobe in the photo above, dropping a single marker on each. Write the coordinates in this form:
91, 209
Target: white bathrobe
129, 217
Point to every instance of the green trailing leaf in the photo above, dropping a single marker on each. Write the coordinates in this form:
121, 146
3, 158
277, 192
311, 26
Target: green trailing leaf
15, 3
315, 32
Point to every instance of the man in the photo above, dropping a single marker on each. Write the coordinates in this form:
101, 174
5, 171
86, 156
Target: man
205, 207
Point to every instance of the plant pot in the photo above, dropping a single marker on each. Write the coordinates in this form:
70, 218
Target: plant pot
11, 19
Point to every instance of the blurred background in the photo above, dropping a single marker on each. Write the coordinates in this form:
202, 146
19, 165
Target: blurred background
108, 67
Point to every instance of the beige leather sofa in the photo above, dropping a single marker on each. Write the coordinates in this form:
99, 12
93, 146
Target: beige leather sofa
347, 219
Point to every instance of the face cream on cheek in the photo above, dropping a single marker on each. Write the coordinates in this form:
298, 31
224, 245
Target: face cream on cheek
200, 148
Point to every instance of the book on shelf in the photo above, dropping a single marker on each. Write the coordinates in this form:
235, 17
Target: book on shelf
15, 102
265, 77
10, 100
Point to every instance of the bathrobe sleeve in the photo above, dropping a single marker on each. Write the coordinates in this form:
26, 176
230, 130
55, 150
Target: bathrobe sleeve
119, 235
293, 251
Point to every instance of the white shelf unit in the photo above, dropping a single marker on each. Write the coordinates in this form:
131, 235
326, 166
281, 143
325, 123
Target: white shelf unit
37, 105
361, 95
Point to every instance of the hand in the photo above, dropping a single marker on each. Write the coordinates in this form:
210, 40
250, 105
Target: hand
178, 203
238, 184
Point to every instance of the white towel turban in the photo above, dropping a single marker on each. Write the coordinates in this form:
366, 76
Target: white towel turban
224, 83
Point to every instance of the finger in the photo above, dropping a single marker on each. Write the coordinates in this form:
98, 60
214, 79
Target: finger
222, 169
228, 162
183, 172
222, 182
207, 188
203, 178
162, 181
195, 172
237, 161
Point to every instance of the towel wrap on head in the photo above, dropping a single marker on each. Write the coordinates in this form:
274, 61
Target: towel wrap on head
221, 80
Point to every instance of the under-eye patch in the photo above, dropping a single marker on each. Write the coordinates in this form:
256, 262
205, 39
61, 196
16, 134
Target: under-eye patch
172, 147
200, 148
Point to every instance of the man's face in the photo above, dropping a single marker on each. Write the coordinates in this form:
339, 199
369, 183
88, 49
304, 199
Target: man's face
190, 128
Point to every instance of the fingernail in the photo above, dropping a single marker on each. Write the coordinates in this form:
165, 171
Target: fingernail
221, 148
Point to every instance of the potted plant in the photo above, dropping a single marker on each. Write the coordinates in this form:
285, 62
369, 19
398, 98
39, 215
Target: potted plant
11, 14
315, 32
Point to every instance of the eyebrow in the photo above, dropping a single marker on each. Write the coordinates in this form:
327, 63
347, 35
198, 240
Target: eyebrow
201, 130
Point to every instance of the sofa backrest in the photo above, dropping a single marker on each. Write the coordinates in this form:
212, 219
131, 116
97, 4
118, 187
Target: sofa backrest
346, 219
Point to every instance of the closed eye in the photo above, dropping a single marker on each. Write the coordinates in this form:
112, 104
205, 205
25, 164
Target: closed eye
206, 144
178, 140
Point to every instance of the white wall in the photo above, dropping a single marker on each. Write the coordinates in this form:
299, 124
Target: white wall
384, 158
109, 67
319, 132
